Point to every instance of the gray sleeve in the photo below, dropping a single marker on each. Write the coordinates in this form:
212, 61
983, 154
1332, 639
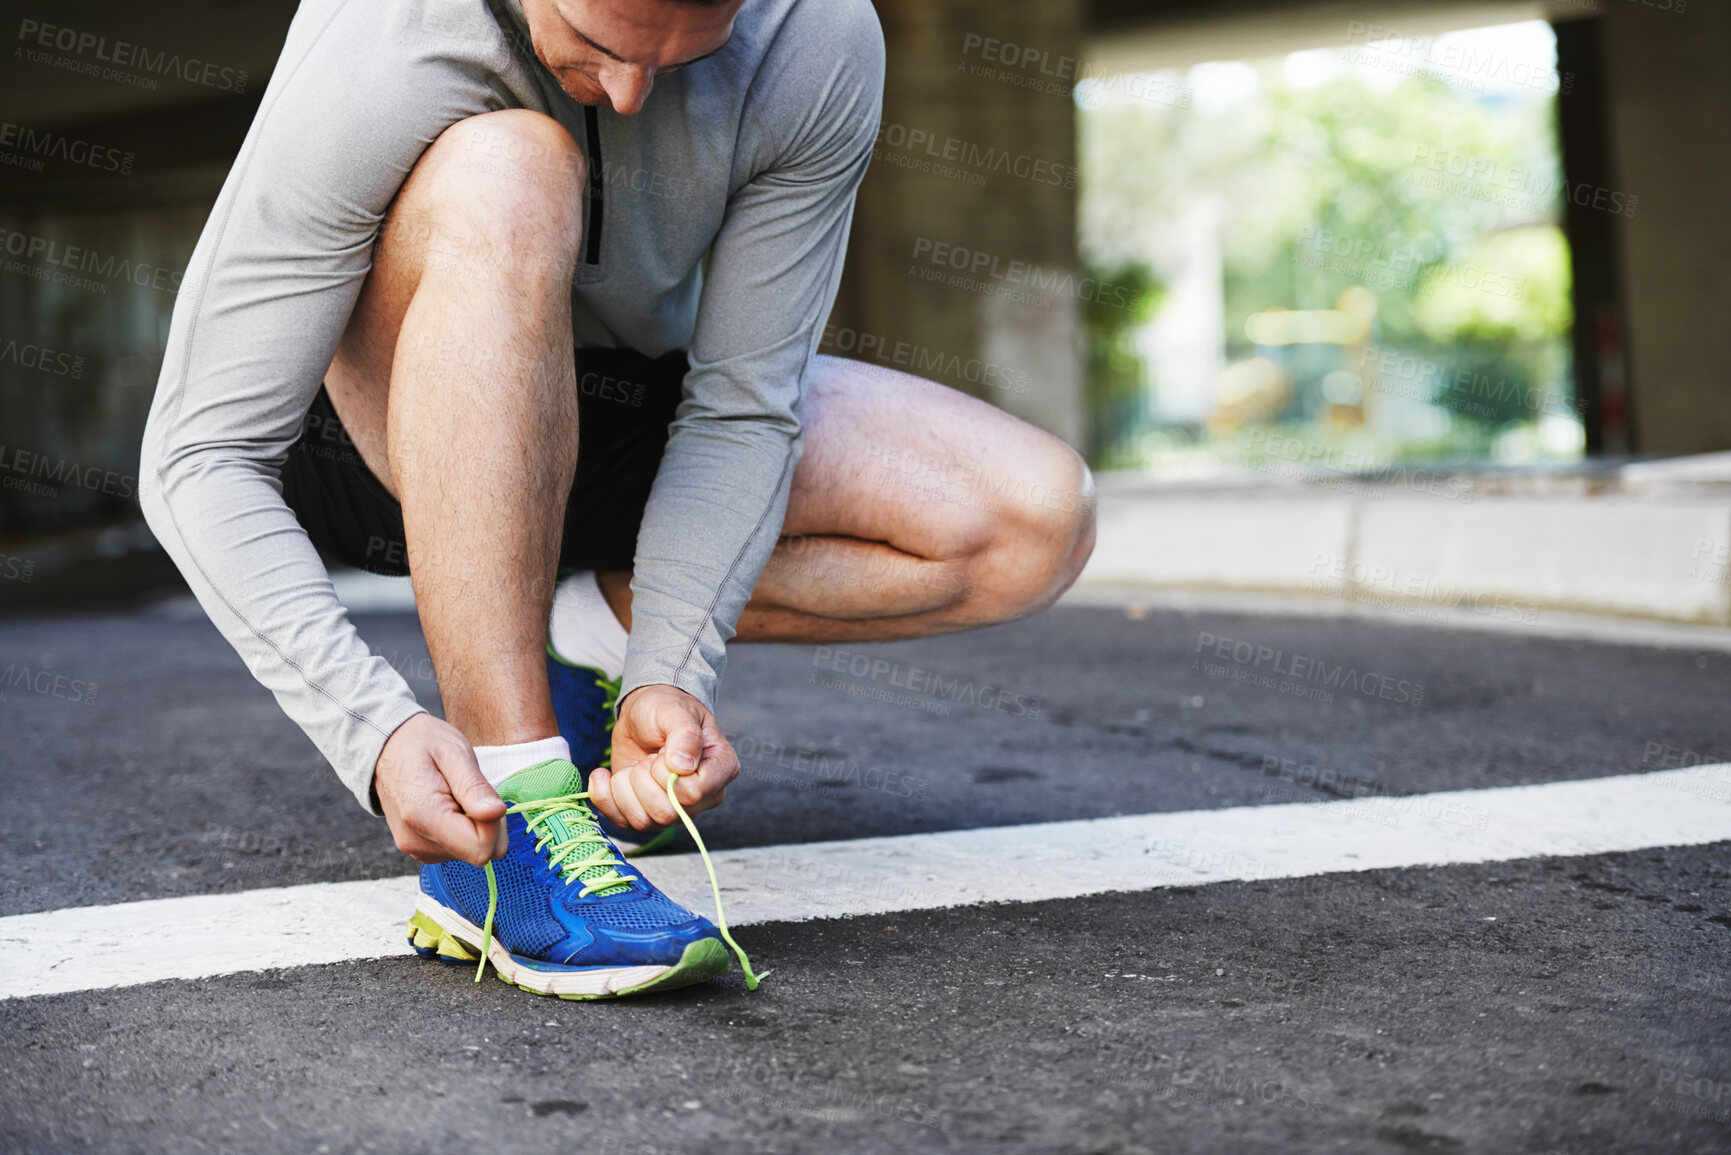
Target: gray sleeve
268, 292
716, 508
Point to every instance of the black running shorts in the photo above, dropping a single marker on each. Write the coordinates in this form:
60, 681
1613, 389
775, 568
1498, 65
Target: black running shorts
625, 402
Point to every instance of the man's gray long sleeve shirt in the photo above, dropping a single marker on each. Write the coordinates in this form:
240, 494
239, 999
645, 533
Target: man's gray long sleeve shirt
751, 156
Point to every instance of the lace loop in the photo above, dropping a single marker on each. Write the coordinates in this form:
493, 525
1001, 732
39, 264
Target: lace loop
540, 814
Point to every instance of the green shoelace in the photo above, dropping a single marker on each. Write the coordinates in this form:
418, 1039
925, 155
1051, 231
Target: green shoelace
751, 979
563, 857
610, 704
612, 686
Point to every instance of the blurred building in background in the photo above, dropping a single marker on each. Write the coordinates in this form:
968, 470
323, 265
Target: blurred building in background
118, 123
1148, 225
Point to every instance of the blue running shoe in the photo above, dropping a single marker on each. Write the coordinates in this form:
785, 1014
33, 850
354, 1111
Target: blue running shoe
563, 918
586, 704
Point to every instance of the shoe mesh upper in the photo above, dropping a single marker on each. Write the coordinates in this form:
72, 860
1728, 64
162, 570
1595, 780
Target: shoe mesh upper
525, 919
653, 911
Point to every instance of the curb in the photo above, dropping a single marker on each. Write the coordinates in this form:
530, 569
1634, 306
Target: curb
1664, 558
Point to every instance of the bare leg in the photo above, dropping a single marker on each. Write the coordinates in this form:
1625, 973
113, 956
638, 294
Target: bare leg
916, 510
455, 380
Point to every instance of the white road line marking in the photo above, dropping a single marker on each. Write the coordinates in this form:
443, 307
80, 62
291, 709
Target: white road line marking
95, 948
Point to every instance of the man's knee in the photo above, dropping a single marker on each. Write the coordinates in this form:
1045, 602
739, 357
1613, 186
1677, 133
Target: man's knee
1043, 534
500, 189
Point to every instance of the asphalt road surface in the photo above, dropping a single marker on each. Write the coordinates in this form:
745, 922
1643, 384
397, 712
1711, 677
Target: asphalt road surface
1546, 1005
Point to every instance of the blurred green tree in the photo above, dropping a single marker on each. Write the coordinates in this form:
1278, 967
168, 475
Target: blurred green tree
1117, 399
1443, 201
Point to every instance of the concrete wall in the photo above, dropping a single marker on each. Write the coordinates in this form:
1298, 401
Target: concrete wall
975, 168
1670, 118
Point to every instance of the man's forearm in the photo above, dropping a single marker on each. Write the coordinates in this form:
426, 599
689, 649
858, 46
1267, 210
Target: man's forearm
712, 522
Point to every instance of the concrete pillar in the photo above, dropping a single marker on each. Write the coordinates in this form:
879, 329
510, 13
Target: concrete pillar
962, 266
1669, 112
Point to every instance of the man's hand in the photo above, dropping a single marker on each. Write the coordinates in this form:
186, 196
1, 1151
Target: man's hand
663, 728
431, 790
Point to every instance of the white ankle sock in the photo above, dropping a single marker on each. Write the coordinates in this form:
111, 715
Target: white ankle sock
583, 630
500, 762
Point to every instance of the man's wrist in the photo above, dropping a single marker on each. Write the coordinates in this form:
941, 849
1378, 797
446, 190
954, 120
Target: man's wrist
373, 775
625, 697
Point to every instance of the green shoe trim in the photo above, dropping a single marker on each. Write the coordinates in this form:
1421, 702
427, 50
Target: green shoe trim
703, 959
424, 932
751, 979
